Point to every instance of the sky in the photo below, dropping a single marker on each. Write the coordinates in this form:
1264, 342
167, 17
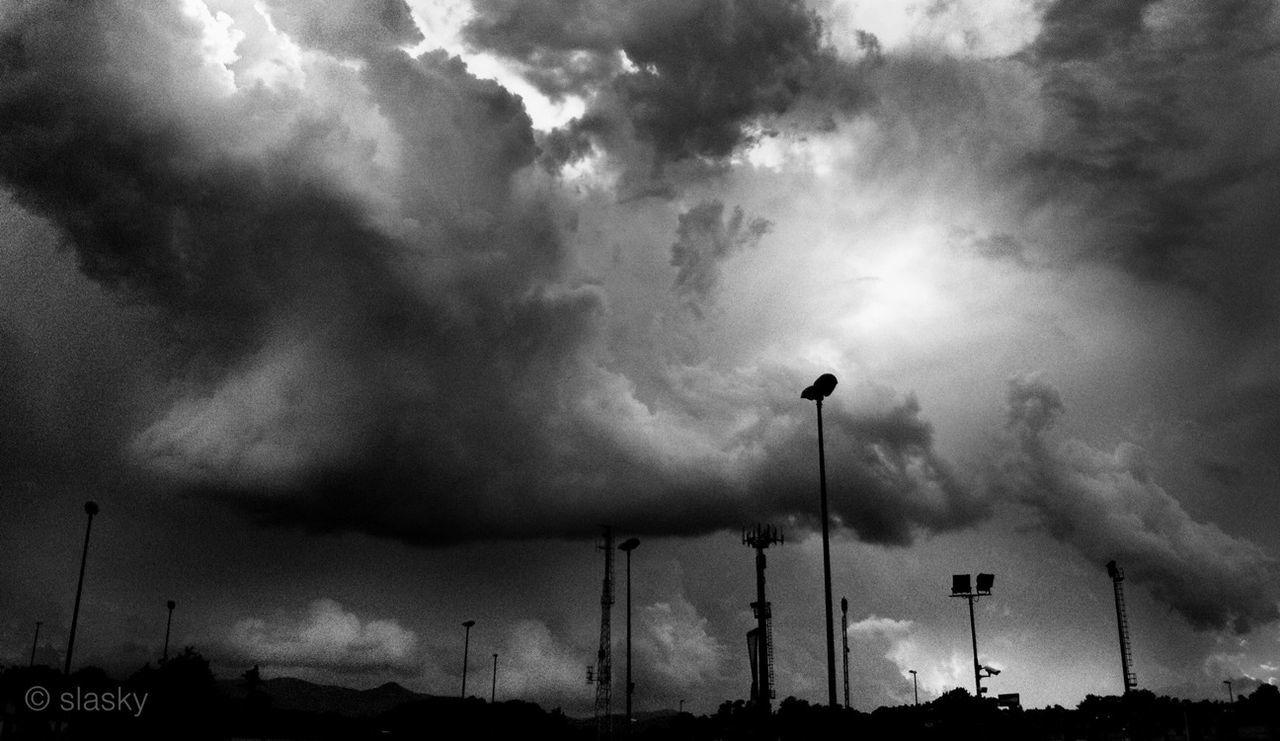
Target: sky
359, 320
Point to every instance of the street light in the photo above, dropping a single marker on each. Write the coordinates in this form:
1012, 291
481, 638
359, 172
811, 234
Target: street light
169, 624
627, 547
960, 587
91, 509
915, 685
822, 388
35, 641
1231, 698
493, 690
466, 646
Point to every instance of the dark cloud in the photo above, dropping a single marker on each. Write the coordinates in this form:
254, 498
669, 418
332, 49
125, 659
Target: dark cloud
1109, 506
393, 342
1134, 92
704, 240
1088, 29
698, 72
349, 27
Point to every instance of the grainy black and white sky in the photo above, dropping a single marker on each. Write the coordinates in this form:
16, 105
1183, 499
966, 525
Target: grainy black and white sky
358, 319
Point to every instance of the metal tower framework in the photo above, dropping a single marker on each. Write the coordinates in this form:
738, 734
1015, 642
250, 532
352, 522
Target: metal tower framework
604, 656
1122, 626
761, 537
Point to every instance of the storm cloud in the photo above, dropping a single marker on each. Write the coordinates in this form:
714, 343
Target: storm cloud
688, 78
377, 321
1108, 505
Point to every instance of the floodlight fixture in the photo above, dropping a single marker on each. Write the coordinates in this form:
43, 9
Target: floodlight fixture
960, 584
984, 583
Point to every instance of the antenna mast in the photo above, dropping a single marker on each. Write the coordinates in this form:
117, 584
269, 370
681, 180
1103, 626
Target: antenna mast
604, 657
761, 537
1122, 625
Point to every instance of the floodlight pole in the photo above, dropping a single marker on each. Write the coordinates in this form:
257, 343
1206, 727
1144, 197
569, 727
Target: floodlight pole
973, 632
493, 688
1231, 698
961, 587
915, 685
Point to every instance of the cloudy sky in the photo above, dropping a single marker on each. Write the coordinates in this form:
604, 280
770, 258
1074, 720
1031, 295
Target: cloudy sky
359, 319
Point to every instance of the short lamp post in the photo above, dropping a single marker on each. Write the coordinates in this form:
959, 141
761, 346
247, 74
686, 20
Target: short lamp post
466, 646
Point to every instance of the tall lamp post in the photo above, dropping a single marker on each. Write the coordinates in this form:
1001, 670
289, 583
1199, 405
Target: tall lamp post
960, 588
627, 547
915, 685
1231, 698
466, 646
91, 509
493, 689
821, 389
168, 624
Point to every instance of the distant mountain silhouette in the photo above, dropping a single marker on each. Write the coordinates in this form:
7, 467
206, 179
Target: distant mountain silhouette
292, 694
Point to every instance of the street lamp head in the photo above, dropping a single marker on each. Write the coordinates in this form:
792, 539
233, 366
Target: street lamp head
629, 545
820, 389
844, 604
91, 508
911, 671
171, 604
469, 623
